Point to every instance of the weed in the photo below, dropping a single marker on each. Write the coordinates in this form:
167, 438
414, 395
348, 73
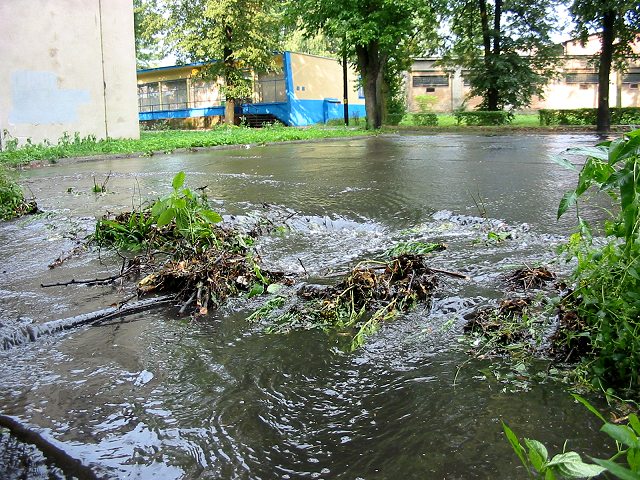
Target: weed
607, 276
12, 201
535, 458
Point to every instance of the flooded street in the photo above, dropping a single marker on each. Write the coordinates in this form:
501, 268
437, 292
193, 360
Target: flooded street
162, 397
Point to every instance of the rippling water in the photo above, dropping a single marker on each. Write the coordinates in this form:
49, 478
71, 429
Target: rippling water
157, 396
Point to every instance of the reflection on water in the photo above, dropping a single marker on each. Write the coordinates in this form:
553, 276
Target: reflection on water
158, 396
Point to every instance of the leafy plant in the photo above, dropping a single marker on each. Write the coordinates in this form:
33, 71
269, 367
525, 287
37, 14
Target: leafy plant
182, 214
607, 276
190, 212
535, 458
12, 201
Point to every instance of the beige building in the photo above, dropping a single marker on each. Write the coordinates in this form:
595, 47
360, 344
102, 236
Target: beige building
68, 66
576, 86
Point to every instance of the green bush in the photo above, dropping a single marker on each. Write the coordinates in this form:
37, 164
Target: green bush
607, 276
12, 201
484, 117
588, 116
425, 119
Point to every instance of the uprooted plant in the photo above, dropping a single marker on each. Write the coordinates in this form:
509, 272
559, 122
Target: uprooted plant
184, 250
370, 294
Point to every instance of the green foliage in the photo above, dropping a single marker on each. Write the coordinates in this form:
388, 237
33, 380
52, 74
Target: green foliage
425, 119
168, 140
379, 37
535, 458
588, 116
181, 214
480, 117
12, 202
426, 102
607, 276
505, 47
412, 247
534, 454
589, 17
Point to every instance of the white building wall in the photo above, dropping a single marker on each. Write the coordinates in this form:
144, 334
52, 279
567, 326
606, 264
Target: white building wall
67, 66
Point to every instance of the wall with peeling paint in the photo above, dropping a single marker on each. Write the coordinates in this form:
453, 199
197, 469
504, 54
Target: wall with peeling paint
67, 66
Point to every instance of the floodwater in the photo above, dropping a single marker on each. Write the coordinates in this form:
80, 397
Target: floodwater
156, 396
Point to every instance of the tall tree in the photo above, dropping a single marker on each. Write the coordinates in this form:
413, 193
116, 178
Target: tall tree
617, 23
380, 35
230, 37
505, 48
147, 46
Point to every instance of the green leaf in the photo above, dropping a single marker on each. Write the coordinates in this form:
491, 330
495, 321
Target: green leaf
570, 465
568, 200
167, 216
601, 152
635, 424
618, 470
538, 454
210, 216
158, 207
256, 289
563, 162
515, 444
274, 288
627, 189
589, 407
178, 180
622, 434
633, 459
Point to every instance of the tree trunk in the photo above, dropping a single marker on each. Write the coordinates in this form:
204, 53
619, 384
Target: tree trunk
603, 121
371, 67
492, 94
227, 53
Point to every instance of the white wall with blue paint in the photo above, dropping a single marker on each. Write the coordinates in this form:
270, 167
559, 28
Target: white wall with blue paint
68, 66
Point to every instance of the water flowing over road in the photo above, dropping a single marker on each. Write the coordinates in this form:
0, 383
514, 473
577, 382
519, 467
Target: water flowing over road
157, 396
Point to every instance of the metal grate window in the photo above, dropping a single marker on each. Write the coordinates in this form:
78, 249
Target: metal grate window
581, 78
271, 88
631, 78
431, 80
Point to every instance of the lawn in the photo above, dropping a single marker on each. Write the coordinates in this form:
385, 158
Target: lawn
167, 141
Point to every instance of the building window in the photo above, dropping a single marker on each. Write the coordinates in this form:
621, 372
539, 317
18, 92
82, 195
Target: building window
585, 86
633, 86
149, 97
156, 96
430, 89
204, 94
271, 88
581, 78
633, 78
174, 95
431, 80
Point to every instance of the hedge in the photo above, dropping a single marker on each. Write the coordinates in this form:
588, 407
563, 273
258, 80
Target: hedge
484, 117
588, 116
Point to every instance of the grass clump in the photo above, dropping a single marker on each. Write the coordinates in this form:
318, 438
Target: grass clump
12, 201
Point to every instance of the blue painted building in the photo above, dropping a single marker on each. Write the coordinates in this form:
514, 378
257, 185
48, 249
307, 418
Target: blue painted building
304, 90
